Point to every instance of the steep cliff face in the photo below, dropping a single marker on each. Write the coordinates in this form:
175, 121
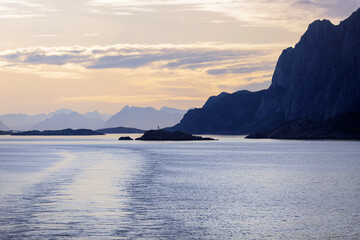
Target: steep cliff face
225, 114
320, 77
317, 79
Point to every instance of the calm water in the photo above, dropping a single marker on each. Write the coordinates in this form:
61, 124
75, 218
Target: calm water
100, 188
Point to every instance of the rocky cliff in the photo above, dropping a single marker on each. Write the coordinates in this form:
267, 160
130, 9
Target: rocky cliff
317, 79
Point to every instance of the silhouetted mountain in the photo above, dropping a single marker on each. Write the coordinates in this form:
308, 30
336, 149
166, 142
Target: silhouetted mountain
3, 126
63, 132
71, 120
318, 79
144, 118
120, 130
344, 126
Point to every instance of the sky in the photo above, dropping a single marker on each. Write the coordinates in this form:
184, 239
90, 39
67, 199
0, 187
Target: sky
101, 55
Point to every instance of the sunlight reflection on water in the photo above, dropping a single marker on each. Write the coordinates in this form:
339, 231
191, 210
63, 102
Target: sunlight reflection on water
99, 188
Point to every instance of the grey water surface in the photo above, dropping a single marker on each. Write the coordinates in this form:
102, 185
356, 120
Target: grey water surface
101, 188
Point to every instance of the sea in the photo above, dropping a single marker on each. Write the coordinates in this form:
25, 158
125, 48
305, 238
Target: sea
96, 187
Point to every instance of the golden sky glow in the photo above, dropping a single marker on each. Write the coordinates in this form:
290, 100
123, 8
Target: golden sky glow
104, 54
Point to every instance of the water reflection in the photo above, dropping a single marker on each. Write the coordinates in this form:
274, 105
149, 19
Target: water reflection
231, 189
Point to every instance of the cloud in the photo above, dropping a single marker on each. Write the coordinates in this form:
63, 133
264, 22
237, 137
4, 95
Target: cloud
262, 13
18, 9
47, 35
261, 66
229, 59
139, 98
90, 35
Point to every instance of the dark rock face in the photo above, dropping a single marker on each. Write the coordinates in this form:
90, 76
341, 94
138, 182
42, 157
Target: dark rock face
164, 135
318, 79
127, 138
226, 113
64, 132
344, 126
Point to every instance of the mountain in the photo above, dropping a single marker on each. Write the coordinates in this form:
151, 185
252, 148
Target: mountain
317, 79
60, 111
22, 121
144, 118
3, 126
172, 110
96, 114
70, 120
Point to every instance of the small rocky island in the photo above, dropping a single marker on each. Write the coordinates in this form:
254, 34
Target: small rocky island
120, 130
164, 135
127, 138
64, 132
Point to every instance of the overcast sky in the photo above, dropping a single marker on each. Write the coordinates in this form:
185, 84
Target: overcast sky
104, 54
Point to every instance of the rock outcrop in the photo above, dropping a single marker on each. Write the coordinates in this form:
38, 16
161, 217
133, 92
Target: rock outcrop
344, 126
126, 138
164, 135
317, 79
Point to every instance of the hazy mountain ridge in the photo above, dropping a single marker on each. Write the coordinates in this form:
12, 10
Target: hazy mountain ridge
3, 126
72, 120
145, 118
317, 79
22, 121
66, 118
96, 114
27, 122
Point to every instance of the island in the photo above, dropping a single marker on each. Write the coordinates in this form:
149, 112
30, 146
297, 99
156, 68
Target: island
164, 135
5, 132
127, 138
64, 132
120, 130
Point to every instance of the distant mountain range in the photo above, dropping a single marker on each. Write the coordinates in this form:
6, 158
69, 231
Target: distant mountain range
128, 117
145, 118
72, 120
3, 127
318, 79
